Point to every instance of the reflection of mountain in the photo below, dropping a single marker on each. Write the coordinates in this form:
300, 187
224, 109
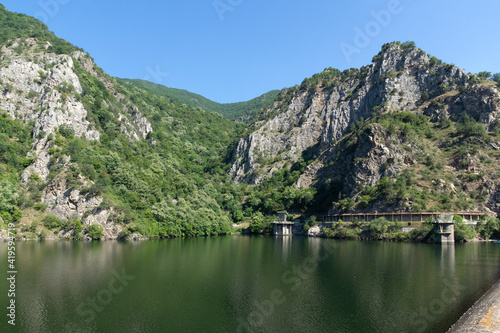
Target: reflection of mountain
204, 284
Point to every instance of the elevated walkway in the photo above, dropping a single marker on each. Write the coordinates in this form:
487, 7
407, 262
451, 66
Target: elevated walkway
470, 218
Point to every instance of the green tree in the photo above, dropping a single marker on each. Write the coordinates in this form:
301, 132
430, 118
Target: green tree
496, 77
52, 222
78, 228
484, 75
94, 231
470, 127
8, 196
259, 223
378, 227
463, 233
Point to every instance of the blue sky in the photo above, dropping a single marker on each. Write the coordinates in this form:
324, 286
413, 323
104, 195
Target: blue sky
235, 50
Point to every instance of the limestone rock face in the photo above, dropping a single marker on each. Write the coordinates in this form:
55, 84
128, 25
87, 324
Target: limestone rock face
493, 201
42, 88
314, 231
312, 121
135, 125
44, 91
479, 102
67, 203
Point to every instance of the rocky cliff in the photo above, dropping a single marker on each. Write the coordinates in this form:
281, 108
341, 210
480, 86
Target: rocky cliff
43, 90
335, 121
84, 154
312, 118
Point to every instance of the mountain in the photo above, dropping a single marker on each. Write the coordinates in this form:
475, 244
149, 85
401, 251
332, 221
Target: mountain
407, 132
84, 154
81, 151
242, 111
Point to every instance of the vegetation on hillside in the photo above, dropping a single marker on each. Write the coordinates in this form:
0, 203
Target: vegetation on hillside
448, 155
14, 26
15, 142
164, 185
174, 182
242, 111
382, 229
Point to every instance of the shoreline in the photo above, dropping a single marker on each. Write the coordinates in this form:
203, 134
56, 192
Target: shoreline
4, 238
483, 316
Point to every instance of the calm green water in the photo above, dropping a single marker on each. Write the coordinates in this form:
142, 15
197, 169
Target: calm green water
254, 284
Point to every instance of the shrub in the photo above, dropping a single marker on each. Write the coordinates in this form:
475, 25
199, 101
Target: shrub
8, 196
40, 206
52, 222
420, 233
496, 77
67, 131
463, 233
378, 227
43, 234
260, 224
469, 127
489, 227
94, 231
78, 228
484, 75
124, 234
33, 226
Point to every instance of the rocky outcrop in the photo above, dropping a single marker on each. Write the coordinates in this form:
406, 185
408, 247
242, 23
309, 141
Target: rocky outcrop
479, 102
141, 123
137, 127
43, 90
493, 196
374, 156
310, 121
67, 203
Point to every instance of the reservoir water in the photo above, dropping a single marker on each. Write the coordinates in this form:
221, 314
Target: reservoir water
246, 284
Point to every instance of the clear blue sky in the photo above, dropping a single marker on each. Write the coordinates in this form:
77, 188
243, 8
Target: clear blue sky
234, 50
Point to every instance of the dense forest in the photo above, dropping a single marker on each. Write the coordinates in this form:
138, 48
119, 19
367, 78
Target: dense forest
242, 111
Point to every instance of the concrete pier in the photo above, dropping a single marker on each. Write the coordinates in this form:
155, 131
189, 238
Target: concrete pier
282, 227
483, 316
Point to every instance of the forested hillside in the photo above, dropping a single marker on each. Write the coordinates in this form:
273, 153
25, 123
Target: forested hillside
242, 111
84, 154
79, 148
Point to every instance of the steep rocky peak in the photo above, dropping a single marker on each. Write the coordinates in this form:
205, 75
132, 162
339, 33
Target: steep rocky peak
396, 56
308, 119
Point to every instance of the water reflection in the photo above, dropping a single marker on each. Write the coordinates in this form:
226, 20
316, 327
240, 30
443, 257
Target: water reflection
220, 283
283, 244
447, 257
